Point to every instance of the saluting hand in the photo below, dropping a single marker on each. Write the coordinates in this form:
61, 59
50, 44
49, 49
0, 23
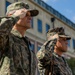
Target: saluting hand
21, 13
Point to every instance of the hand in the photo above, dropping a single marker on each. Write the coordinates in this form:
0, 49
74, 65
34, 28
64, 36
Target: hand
56, 36
52, 38
21, 13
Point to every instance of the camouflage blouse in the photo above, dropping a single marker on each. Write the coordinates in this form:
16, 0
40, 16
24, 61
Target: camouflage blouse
15, 56
51, 62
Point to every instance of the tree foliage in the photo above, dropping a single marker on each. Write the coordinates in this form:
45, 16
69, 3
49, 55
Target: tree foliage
71, 63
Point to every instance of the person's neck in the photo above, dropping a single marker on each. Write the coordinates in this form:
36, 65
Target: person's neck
58, 52
20, 29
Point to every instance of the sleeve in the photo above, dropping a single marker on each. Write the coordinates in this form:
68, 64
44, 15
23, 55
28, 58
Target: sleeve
44, 58
6, 25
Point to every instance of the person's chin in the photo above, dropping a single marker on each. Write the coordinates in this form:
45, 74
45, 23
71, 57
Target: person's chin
28, 27
65, 50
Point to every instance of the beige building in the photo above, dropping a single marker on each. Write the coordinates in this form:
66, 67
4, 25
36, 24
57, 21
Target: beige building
47, 18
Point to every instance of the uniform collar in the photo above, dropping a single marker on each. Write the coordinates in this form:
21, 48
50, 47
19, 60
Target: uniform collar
16, 33
55, 54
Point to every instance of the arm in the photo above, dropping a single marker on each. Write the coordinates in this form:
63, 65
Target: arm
6, 26
46, 52
44, 56
7, 23
44, 60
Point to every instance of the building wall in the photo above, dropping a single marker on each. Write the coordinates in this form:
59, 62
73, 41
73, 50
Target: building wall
45, 17
37, 38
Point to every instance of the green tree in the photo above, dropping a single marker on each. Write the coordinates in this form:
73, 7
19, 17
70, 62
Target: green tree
71, 63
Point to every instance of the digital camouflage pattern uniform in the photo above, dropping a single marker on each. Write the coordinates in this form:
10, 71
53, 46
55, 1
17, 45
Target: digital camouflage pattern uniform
49, 61
15, 56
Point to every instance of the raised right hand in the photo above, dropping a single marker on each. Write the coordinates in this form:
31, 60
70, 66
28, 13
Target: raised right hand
21, 13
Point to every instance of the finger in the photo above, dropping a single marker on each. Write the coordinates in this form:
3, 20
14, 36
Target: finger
23, 10
53, 37
21, 13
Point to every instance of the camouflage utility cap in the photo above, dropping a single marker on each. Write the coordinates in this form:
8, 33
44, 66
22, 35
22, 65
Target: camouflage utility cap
60, 31
20, 5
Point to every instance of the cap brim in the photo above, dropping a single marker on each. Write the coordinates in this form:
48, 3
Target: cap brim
34, 12
65, 36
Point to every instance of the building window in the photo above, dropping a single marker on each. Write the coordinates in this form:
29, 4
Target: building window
68, 43
32, 46
39, 48
47, 27
39, 2
7, 3
38, 73
32, 23
43, 4
39, 25
74, 44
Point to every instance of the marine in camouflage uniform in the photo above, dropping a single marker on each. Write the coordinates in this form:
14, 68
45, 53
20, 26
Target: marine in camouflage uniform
15, 56
50, 61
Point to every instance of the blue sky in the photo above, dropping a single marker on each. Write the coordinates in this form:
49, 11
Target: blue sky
65, 7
